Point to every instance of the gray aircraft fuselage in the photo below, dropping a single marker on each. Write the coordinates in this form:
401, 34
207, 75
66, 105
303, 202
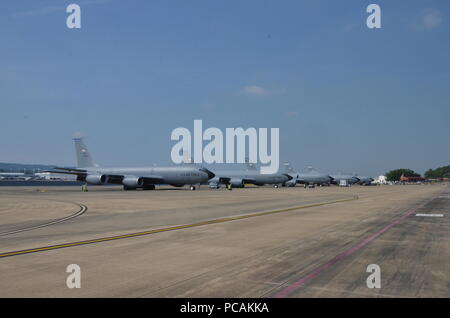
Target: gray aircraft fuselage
348, 178
364, 180
176, 176
132, 178
310, 177
313, 178
238, 178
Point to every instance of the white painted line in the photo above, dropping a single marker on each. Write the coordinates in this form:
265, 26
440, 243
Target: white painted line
431, 215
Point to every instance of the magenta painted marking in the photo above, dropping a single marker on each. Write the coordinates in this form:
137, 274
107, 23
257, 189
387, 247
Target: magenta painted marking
288, 290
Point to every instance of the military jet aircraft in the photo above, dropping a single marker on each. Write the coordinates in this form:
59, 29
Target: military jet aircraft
238, 178
133, 178
364, 180
310, 178
349, 179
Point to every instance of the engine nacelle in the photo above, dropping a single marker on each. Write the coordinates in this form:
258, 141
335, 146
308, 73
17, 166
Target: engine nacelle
291, 183
96, 178
133, 182
236, 183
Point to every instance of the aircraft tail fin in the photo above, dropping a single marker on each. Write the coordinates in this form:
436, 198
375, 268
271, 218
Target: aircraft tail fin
84, 158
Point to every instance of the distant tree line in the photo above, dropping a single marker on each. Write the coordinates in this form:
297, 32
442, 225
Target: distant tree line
394, 175
438, 173
442, 172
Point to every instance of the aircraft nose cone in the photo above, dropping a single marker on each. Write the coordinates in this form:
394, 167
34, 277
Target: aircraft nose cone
208, 172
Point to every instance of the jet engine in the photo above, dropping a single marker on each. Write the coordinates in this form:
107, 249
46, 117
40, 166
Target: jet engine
236, 183
291, 183
133, 182
96, 179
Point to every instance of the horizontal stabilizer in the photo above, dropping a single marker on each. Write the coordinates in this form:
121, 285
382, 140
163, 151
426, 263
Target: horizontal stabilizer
69, 169
66, 172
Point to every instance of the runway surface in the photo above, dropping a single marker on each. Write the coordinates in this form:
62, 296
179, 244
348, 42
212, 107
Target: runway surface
253, 242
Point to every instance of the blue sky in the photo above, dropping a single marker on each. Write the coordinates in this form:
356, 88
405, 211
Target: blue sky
346, 98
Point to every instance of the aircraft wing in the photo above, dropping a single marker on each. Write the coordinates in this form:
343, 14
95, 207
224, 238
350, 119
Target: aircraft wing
81, 173
117, 179
244, 180
70, 169
65, 172
153, 180
111, 178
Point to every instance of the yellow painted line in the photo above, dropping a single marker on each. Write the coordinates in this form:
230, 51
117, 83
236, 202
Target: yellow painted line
166, 229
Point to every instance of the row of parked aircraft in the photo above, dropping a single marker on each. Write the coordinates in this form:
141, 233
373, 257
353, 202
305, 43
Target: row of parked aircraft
146, 178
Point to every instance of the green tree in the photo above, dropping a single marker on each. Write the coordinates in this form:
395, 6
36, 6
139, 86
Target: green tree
438, 172
429, 174
394, 175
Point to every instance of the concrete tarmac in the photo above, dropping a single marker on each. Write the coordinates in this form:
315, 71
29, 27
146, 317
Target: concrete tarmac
252, 242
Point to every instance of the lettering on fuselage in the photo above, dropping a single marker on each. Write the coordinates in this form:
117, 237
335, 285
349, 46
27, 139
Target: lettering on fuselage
189, 174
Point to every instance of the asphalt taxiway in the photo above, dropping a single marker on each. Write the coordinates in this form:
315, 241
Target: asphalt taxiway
252, 242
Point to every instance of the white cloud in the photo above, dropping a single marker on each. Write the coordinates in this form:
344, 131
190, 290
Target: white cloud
254, 90
430, 19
